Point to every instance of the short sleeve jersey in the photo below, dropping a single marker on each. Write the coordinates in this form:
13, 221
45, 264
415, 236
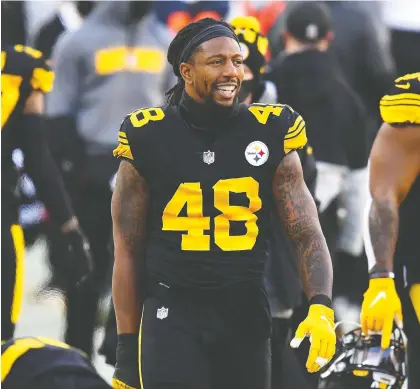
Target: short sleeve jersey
211, 193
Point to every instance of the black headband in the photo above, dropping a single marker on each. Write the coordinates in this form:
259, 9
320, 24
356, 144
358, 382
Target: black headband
211, 32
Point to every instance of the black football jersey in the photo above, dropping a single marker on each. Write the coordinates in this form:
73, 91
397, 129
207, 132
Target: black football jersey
23, 70
26, 359
400, 107
211, 196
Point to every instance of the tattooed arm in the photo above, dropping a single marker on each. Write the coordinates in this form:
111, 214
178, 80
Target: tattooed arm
394, 166
297, 209
130, 205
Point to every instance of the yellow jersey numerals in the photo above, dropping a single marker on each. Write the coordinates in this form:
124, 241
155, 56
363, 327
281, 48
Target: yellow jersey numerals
195, 223
142, 116
262, 111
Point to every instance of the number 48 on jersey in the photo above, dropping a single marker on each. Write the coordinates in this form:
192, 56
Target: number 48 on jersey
195, 223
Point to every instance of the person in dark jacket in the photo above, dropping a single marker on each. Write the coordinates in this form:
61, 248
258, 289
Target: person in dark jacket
361, 48
68, 17
282, 279
309, 79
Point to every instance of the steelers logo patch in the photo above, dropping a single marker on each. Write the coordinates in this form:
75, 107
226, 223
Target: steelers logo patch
256, 153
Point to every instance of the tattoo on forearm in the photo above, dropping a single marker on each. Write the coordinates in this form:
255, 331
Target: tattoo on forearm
298, 211
129, 204
383, 230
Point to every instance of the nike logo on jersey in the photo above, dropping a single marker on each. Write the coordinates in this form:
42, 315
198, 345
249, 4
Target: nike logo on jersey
403, 86
381, 295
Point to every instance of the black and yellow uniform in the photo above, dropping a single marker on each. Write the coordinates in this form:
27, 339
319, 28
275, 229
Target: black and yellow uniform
43, 363
206, 320
23, 71
401, 107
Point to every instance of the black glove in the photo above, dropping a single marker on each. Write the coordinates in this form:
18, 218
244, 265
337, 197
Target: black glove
79, 263
126, 374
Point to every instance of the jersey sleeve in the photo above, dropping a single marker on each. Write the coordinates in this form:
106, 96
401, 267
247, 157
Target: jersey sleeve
295, 137
40, 73
42, 78
125, 135
402, 104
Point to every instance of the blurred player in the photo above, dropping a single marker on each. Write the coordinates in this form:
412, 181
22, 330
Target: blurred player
25, 78
43, 363
195, 189
392, 239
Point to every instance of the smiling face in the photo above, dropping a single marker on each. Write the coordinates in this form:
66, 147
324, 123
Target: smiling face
215, 72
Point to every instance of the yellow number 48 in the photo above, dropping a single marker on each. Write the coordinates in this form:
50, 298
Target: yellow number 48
191, 195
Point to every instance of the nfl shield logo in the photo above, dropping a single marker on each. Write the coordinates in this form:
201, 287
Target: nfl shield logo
162, 313
208, 157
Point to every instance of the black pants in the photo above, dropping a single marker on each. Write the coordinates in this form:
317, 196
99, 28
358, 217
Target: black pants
205, 340
93, 209
12, 267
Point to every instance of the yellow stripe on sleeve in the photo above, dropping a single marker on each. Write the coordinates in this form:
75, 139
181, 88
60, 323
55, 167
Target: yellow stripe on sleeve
123, 151
123, 141
401, 96
295, 140
402, 113
42, 80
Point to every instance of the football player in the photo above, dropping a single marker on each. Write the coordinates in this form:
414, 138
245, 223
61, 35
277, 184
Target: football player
392, 233
43, 363
25, 78
196, 185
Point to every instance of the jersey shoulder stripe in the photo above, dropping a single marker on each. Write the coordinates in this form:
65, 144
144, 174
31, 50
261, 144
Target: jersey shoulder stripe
402, 104
284, 119
131, 126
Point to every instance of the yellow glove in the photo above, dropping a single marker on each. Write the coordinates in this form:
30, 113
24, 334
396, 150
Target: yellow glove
381, 305
319, 326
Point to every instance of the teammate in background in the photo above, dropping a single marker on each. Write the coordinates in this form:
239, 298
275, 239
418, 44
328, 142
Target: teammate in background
392, 234
43, 363
25, 78
196, 185
284, 289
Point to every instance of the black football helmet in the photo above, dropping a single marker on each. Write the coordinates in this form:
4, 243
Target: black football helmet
363, 364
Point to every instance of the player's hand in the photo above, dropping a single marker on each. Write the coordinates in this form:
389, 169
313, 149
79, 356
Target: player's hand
319, 326
78, 256
381, 306
126, 374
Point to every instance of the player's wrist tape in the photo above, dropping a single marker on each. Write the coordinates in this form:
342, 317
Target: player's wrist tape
382, 274
321, 299
127, 348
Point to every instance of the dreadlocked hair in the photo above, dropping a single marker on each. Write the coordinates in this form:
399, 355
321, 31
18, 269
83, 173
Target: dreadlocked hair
176, 48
